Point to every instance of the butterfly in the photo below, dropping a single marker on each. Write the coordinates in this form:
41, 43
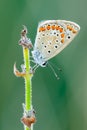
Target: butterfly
52, 37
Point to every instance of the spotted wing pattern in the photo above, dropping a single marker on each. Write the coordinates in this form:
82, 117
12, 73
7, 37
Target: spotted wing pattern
53, 36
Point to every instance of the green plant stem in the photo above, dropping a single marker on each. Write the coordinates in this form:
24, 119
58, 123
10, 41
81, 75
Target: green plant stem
28, 85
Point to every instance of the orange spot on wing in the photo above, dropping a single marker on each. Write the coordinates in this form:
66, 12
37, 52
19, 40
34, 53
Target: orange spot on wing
61, 29
62, 40
53, 27
57, 27
62, 35
42, 29
74, 31
48, 27
69, 27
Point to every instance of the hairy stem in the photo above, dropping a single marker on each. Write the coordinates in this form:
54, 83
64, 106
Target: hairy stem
28, 85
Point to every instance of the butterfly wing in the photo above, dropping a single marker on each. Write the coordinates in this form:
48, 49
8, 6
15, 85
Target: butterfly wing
53, 36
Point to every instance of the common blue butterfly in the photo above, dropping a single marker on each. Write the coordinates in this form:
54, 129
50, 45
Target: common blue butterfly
52, 37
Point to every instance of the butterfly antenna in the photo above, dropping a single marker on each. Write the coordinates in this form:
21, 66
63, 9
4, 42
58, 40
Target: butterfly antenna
54, 71
58, 68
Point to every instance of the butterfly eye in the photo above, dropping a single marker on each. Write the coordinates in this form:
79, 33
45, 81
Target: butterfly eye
44, 64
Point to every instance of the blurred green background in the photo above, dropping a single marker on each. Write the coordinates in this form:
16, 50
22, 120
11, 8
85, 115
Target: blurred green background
59, 104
